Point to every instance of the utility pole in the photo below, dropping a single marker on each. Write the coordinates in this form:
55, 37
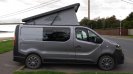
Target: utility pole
120, 27
88, 9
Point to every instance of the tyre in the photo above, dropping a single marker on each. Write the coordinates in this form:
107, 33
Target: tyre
33, 61
106, 62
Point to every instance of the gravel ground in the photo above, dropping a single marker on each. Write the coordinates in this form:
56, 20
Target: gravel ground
7, 65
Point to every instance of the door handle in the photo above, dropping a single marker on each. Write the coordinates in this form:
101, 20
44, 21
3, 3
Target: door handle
78, 46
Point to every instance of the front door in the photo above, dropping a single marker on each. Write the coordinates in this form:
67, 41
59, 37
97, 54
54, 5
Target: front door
84, 43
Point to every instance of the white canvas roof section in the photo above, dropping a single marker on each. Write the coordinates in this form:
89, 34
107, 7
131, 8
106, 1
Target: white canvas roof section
62, 16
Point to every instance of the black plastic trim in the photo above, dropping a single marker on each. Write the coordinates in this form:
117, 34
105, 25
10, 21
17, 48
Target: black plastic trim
16, 55
119, 56
68, 61
19, 59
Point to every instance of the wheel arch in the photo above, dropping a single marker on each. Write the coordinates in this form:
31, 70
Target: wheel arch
106, 54
35, 54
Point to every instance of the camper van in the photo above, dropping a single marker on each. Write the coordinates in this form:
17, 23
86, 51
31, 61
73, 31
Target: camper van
37, 44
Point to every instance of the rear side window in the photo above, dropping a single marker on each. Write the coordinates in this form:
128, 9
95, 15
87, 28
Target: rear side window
32, 33
56, 34
45, 34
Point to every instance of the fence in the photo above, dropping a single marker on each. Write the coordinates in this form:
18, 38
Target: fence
116, 32
130, 31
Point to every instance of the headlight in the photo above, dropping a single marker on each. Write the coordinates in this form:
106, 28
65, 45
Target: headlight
118, 47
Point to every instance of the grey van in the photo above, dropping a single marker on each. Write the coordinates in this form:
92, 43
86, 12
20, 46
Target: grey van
36, 44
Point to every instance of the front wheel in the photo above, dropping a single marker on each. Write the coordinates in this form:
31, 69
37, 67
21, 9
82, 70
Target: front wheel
106, 62
33, 61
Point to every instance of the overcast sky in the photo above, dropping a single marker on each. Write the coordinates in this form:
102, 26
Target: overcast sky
15, 10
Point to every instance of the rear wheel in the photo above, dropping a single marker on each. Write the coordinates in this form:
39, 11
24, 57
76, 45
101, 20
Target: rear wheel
33, 61
106, 62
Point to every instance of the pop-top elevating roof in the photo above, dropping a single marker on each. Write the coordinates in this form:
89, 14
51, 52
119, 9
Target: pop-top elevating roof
75, 6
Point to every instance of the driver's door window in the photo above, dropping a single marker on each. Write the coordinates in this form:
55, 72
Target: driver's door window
91, 36
85, 35
81, 34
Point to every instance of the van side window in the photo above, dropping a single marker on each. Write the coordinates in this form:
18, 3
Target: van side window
31, 33
92, 36
81, 34
56, 34
86, 35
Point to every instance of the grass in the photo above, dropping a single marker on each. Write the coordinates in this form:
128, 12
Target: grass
105, 73
130, 36
54, 72
38, 72
6, 46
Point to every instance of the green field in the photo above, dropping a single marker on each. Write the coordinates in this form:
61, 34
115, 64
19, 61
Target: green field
54, 72
38, 72
6, 46
105, 73
130, 36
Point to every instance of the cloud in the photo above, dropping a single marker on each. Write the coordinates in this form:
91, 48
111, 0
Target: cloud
111, 1
99, 8
106, 8
3, 0
25, 2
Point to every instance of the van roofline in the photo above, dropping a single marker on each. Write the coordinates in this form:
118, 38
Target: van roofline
53, 25
75, 6
50, 25
42, 25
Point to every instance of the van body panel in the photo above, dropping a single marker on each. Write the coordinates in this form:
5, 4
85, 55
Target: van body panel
78, 44
46, 49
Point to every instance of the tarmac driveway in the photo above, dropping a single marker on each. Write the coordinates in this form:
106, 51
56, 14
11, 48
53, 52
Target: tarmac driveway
7, 65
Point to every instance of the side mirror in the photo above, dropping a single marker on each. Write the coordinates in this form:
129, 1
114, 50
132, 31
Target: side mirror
98, 40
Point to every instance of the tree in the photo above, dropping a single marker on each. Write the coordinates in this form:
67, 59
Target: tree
112, 22
101, 23
129, 17
84, 21
128, 22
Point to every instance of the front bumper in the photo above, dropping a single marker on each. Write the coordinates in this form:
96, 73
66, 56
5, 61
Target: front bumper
119, 56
